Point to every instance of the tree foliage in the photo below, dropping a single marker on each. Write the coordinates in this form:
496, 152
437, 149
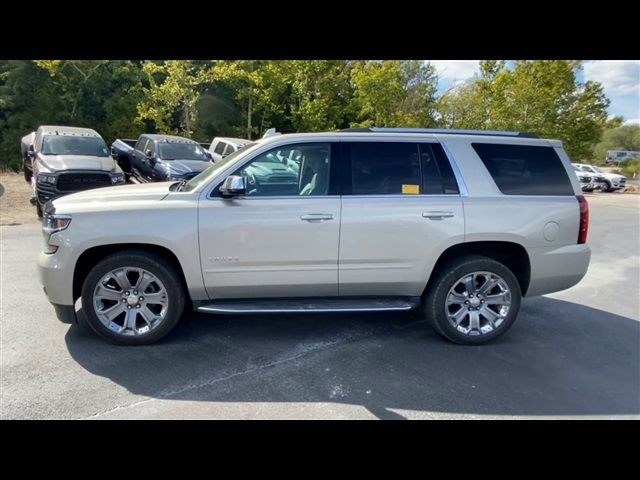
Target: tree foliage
207, 98
625, 137
394, 93
543, 97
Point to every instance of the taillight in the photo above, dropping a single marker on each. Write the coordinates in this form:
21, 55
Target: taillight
584, 219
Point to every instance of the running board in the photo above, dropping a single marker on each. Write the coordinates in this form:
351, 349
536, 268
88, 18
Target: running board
311, 305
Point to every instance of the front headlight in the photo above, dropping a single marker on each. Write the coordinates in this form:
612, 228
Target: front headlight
174, 176
50, 225
44, 179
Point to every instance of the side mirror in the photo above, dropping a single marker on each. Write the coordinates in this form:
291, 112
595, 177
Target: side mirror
31, 152
232, 186
151, 157
209, 156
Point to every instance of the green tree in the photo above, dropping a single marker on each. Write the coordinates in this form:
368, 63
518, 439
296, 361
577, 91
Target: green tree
72, 78
320, 92
542, 97
625, 137
249, 79
173, 90
99, 94
28, 99
394, 93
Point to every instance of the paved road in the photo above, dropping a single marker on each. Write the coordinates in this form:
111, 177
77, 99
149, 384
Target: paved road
572, 354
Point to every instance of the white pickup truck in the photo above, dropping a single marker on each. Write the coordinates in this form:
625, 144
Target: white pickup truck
609, 182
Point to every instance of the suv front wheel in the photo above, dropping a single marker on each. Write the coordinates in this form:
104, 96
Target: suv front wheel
473, 300
133, 298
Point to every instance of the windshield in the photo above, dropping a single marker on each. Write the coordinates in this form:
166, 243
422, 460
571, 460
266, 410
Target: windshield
214, 169
182, 151
68, 145
596, 169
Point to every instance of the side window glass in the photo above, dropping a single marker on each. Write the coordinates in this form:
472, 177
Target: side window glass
385, 168
274, 173
229, 150
140, 146
220, 147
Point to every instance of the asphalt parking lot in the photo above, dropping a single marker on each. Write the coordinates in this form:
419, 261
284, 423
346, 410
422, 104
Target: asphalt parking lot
573, 354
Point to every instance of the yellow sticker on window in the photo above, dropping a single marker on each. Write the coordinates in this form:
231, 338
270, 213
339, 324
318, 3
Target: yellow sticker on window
410, 189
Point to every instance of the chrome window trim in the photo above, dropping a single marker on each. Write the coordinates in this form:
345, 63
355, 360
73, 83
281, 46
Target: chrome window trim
275, 197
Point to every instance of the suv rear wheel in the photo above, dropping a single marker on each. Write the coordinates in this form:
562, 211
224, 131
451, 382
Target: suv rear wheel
473, 300
133, 298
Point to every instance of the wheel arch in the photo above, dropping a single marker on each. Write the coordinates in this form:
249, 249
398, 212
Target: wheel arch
90, 257
513, 255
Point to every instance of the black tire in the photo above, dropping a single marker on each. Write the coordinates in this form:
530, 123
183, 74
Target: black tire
434, 303
154, 264
606, 187
38, 209
27, 173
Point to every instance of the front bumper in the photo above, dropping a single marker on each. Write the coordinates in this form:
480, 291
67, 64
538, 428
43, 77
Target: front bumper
590, 186
58, 284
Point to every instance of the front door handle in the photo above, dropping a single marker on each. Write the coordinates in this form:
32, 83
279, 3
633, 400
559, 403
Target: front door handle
316, 217
437, 215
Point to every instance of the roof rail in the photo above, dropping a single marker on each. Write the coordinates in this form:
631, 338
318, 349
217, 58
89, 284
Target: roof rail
494, 133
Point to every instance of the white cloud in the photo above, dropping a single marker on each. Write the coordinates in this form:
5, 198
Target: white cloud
632, 121
618, 77
456, 70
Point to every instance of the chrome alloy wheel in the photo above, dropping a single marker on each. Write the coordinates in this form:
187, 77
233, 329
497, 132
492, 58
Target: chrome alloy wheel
478, 303
130, 301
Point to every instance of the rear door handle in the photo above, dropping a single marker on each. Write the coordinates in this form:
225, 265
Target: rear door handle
316, 217
437, 215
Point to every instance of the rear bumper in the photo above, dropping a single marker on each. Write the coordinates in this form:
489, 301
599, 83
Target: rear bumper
555, 269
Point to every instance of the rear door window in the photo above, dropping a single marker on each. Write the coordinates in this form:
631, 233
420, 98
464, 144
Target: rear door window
525, 169
397, 168
384, 168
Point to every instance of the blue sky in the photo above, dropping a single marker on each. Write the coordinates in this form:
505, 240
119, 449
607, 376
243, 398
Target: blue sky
620, 79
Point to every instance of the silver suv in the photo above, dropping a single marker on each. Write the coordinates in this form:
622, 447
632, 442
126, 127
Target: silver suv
456, 226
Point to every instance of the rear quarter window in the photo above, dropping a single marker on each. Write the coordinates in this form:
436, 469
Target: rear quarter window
525, 169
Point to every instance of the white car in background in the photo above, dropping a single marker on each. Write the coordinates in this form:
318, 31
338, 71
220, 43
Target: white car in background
610, 181
223, 146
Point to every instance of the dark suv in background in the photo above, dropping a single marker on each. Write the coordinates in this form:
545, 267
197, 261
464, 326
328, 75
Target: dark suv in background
159, 158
